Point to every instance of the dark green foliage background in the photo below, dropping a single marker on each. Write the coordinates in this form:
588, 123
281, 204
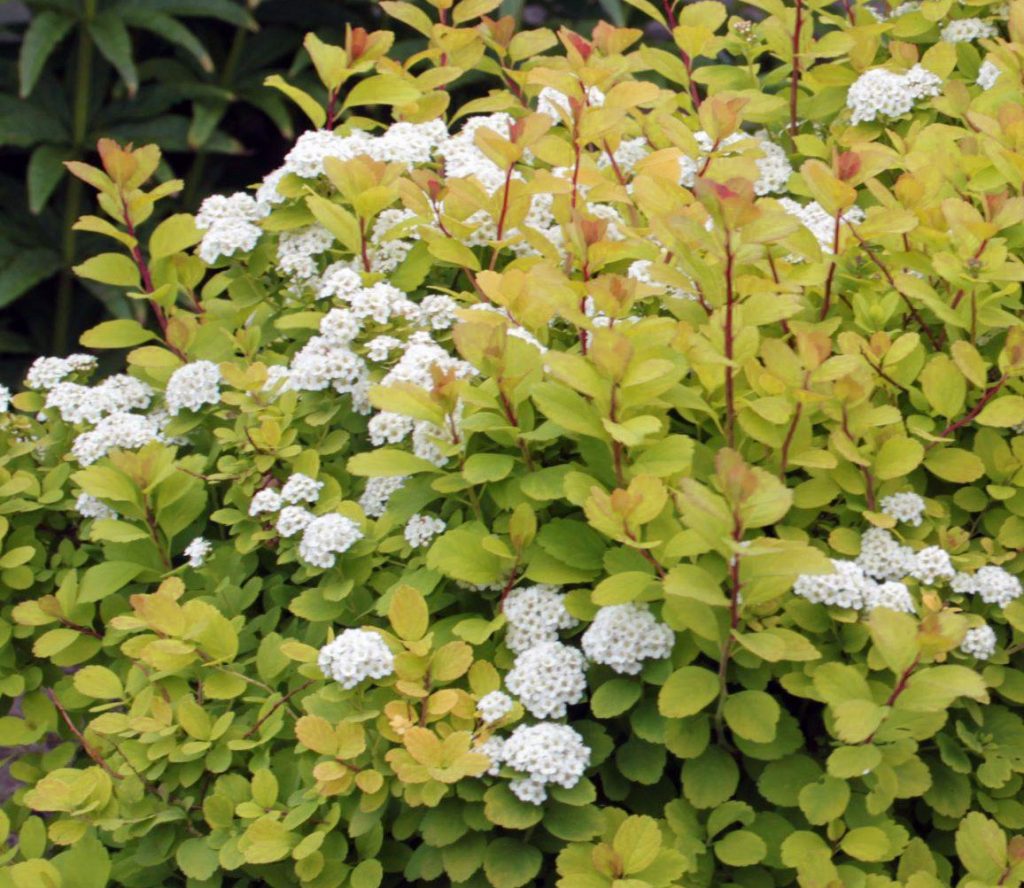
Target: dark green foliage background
185, 74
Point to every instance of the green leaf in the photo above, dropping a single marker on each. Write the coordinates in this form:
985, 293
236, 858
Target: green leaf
110, 268
382, 89
981, 847
954, 464
687, 691
45, 31
387, 462
502, 808
509, 863
85, 865
106, 578
122, 333
99, 683
111, 37
857, 720
866, 843
741, 848
196, 859
460, 554
615, 697
174, 234
45, 171
710, 778
367, 874
897, 458
637, 842
1003, 412
753, 715
310, 106
825, 800
894, 636
483, 467
777, 644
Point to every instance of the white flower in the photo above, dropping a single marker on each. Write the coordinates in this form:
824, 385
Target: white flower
421, 529
192, 386
624, 635
556, 104
293, 520
306, 158
547, 754
535, 614
844, 588
931, 564
547, 678
967, 29
895, 596
321, 363
882, 557
374, 500
197, 551
301, 488
297, 249
129, 431
993, 584
988, 74
5, 399
494, 707
116, 394
229, 225
266, 500
339, 280
46, 372
355, 655
492, 747
327, 537
90, 507
814, 218
339, 326
883, 93
905, 507
979, 642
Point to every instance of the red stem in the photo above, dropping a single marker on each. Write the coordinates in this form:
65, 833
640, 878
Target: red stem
87, 747
827, 303
990, 393
730, 404
687, 61
794, 79
789, 439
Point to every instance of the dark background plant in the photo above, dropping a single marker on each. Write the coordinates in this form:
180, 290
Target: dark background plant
185, 74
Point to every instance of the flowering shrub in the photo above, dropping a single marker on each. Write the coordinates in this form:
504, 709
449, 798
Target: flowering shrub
612, 481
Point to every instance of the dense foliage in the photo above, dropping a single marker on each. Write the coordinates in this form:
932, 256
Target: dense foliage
610, 480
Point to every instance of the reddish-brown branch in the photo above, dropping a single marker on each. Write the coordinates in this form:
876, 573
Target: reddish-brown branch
670, 17
869, 478
914, 313
827, 301
85, 630
969, 417
900, 687
794, 77
790, 432
284, 700
364, 249
730, 403
87, 747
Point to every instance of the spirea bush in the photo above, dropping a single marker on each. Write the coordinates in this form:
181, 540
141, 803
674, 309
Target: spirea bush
613, 481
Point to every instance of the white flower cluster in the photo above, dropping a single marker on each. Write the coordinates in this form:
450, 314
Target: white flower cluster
377, 494
355, 655
622, 636
326, 537
463, 159
979, 642
988, 74
198, 551
966, 29
535, 614
547, 678
192, 386
301, 488
82, 403
773, 165
229, 225
547, 753
883, 557
46, 372
90, 507
421, 529
883, 93
823, 226
905, 507
494, 706
5, 398
991, 583
850, 587
297, 251
932, 564
293, 520
556, 104
128, 431
264, 501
